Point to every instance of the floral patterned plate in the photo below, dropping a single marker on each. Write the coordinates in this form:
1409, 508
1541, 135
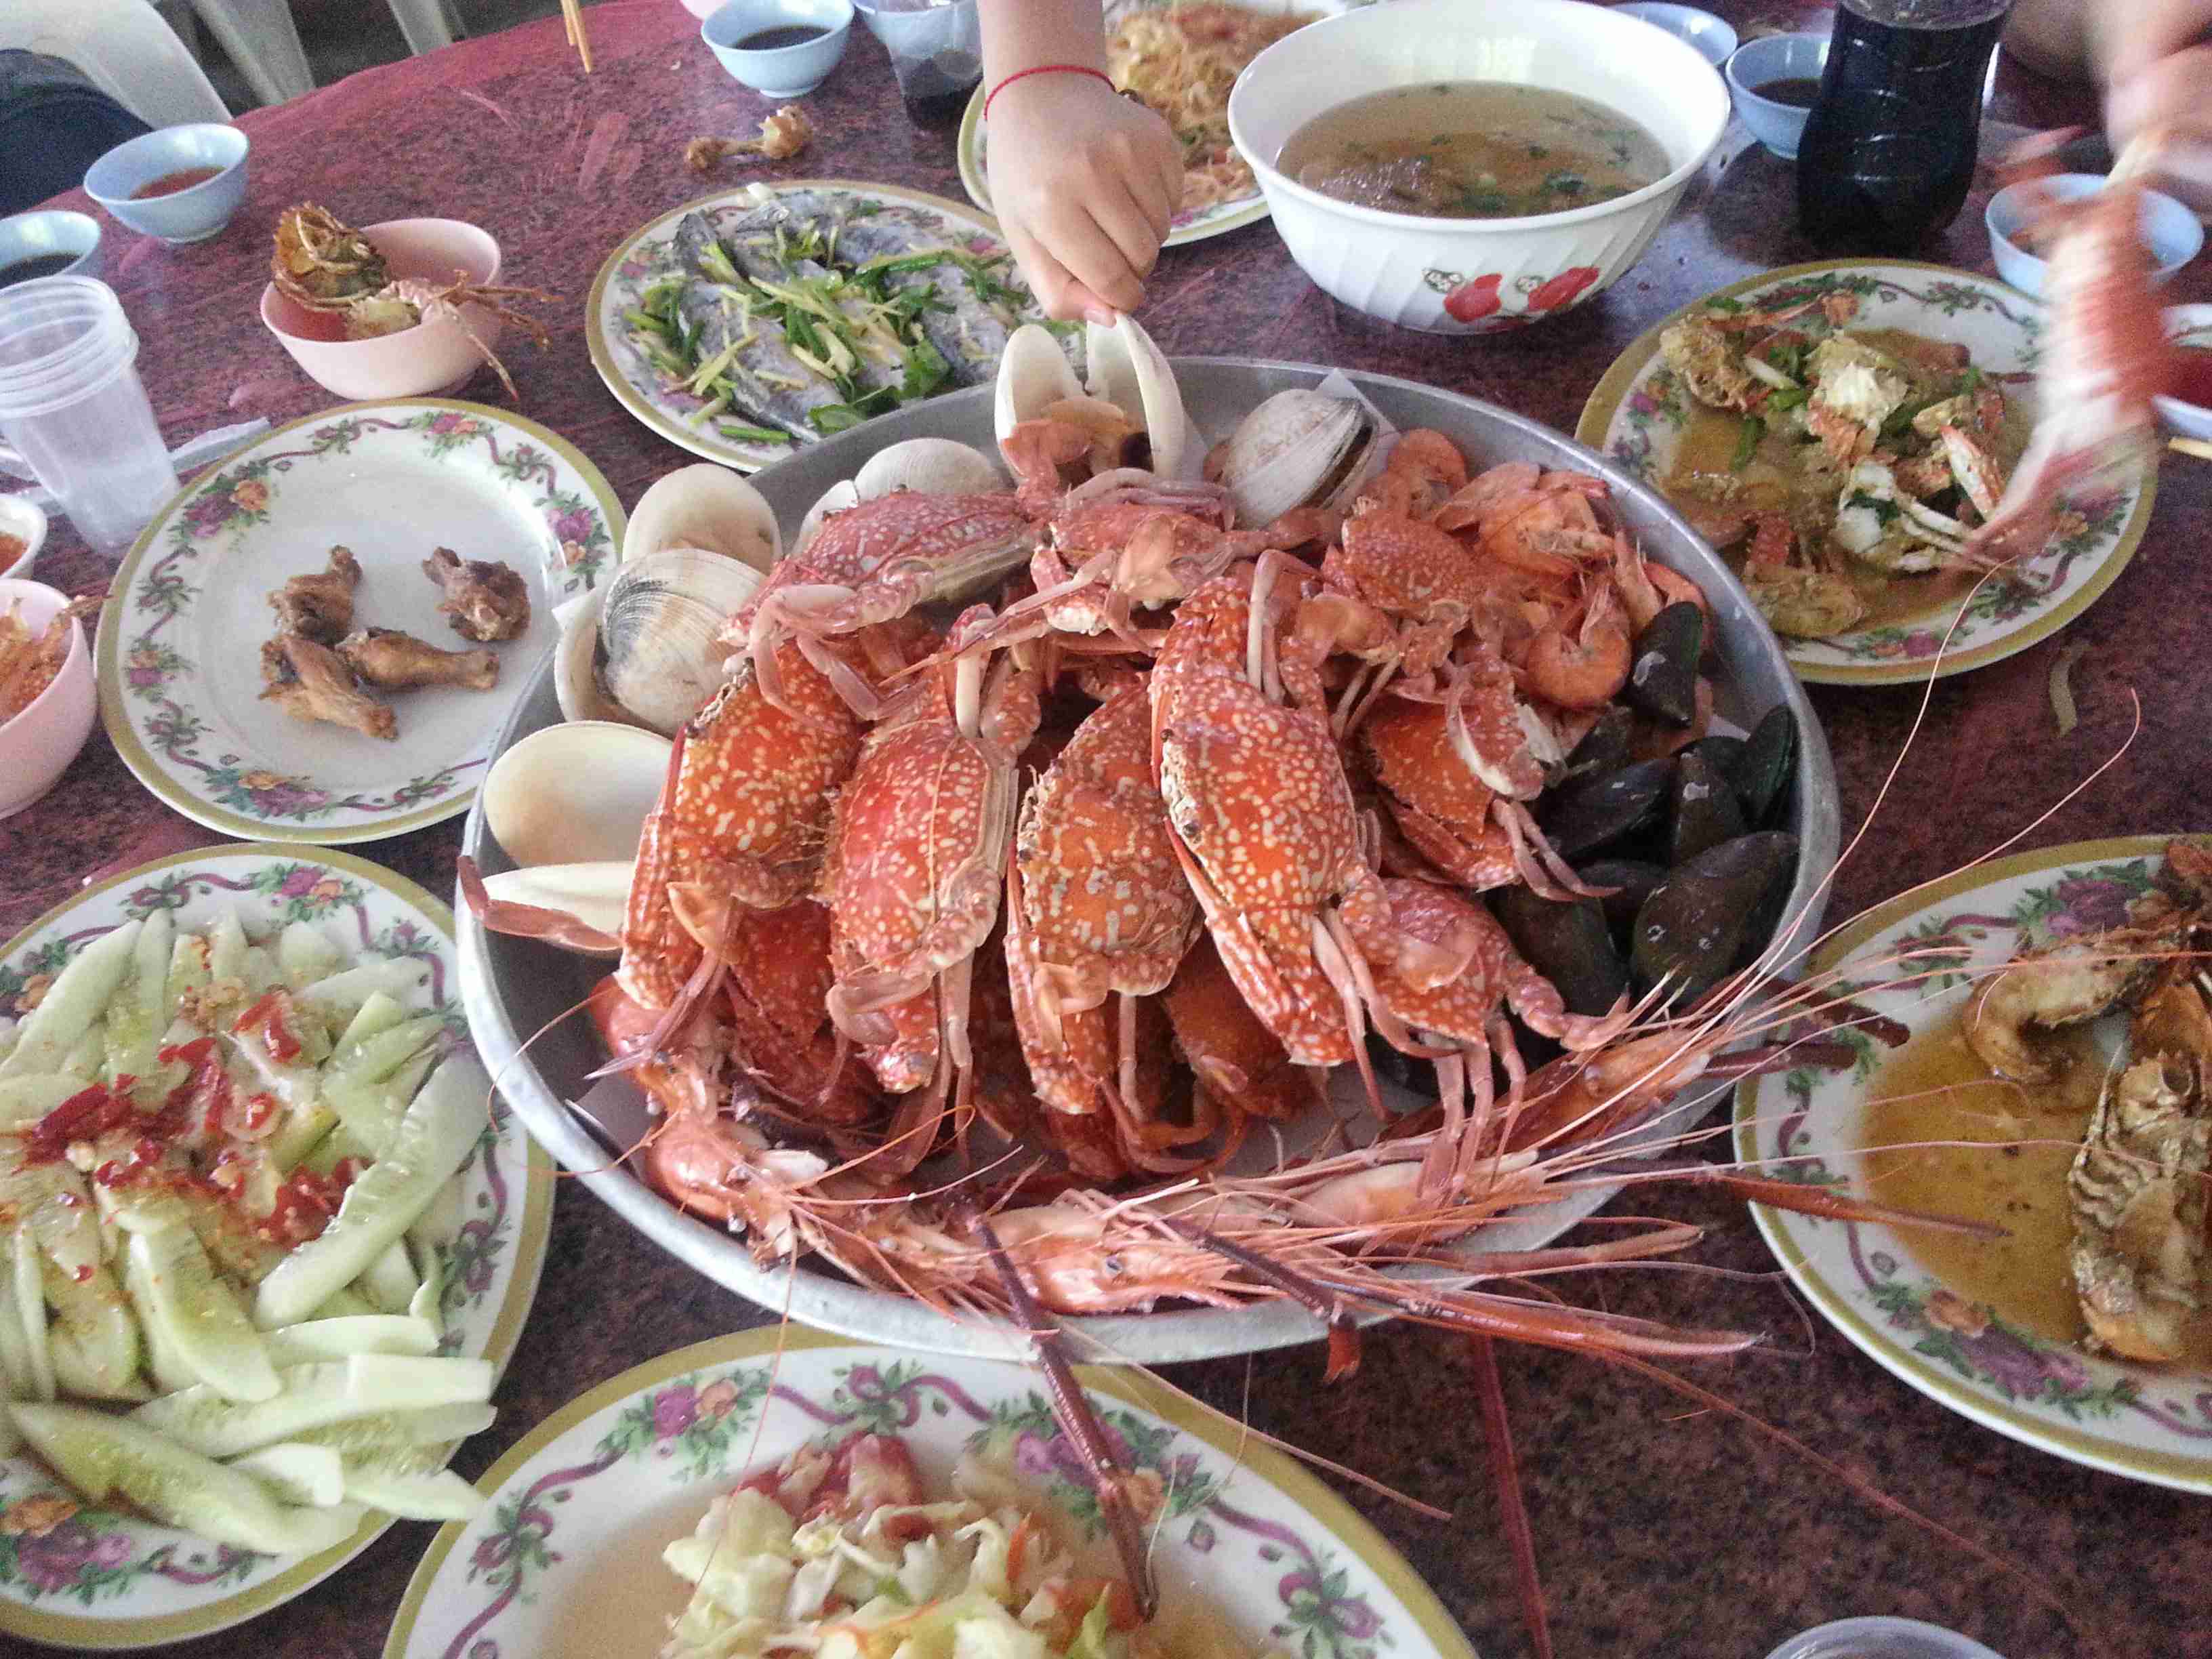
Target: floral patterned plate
1191, 224
2154, 1423
180, 644
1636, 414
646, 255
94, 1579
565, 1561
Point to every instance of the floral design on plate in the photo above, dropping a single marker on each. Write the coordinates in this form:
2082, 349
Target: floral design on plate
1190, 224
1638, 412
1282, 1560
85, 1577
179, 652
648, 255
2152, 1423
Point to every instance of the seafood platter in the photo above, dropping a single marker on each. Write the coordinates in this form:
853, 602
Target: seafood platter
1501, 819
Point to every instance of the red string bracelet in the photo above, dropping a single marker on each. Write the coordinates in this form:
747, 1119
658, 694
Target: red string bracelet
1042, 68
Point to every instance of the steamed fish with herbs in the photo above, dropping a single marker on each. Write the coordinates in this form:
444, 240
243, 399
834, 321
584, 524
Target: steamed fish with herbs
1844, 463
799, 315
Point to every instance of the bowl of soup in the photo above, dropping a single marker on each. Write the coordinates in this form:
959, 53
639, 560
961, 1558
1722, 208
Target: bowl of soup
1464, 170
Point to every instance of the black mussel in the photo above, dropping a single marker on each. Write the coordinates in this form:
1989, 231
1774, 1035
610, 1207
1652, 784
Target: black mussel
1631, 881
1770, 760
1569, 944
1599, 808
1713, 913
1604, 747
1706, 811
1724, 753
1662, 679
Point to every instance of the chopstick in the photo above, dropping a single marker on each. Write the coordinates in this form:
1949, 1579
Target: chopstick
2196, 447
572, 25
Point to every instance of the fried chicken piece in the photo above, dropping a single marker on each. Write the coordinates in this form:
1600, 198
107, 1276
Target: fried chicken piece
319, 607
310, 682
392, 661
484, 599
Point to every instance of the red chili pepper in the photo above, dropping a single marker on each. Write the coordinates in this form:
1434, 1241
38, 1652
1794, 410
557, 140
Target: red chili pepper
85, 1115
1563, 289
1471, 302
204, 1097
269, 1014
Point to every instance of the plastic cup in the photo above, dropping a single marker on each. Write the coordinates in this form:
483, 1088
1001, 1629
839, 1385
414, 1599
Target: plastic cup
73, 412
937, 52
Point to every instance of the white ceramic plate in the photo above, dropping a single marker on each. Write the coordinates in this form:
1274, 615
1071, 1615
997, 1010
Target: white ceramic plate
2150, 1423
645, 257
564, 1562
1193, 224
101, 1580
178, 653
1637, 415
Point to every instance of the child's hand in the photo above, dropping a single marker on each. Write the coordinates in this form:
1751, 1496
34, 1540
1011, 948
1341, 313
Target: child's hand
1085, 183
2158, 65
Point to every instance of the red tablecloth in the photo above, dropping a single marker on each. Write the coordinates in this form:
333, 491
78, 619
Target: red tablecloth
1662, 1531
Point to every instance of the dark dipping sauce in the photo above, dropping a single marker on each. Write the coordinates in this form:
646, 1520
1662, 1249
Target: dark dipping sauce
1472, 149
26, 270
170, 183
2191, 380
784, 35
1798, 91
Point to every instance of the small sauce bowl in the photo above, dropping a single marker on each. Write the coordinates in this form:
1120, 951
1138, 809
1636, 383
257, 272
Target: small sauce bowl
38, 745
2190, 328
780, 72
20, 520
192, 214
2174, 234
49, 235
1882, 1637
1761, 62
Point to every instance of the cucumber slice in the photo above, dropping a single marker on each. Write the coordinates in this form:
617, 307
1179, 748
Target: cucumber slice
339, 997
429, 1303
346, 1303
226, 947
84, 1061
102, 1456
379, 1055
432, 1142
54, 1203
304, 1128
188, 973
11, 1032
390, 1282
260, 971
138, 1012
339, 1338
314, 1394
72, 1003
93, 1338
387, 1434
163, 1364
205, 1328
24, 1100
379, 1013
306, 954
441, 1496
11, 1439
27, 1367
297, 1473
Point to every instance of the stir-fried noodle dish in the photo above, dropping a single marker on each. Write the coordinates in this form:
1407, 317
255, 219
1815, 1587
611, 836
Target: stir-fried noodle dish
1182, 61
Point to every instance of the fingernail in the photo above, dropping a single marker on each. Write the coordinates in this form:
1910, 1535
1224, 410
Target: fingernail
1104, 315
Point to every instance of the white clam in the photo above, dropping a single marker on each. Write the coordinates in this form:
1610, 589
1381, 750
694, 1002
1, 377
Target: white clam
1131, 372
659, 652
595, 894
1298, 449
705, 506
575, 680
1033, 375
576, 794
835, 499
933, 466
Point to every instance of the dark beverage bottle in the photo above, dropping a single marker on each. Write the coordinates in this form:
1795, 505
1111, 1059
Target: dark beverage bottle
1888, 151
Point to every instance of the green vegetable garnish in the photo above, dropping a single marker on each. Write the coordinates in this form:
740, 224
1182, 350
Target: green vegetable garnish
1747, 443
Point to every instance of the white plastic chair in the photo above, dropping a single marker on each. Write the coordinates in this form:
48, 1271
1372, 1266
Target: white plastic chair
124, 48
263, 40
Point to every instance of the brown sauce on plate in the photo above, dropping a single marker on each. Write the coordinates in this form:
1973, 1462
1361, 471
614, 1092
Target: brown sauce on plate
170, 183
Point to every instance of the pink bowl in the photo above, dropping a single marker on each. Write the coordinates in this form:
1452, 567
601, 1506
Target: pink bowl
435, 356
37, 746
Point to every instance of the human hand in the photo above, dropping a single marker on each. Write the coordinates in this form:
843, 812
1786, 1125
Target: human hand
2157, 58
1085, 183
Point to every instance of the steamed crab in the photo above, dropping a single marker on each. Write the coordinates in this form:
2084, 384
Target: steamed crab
326, 265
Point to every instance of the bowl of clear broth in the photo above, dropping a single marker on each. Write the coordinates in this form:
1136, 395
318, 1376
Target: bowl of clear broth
2186, 409
1465, 170
1775, 82
779, 48
180, 183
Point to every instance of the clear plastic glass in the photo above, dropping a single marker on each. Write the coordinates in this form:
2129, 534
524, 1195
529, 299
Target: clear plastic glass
73, 412
937, 52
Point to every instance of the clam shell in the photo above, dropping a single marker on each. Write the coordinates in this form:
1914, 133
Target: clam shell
575, 679
705, 506
1128, 369
574, 794
594, 893
660, 653
934, 466
1298, 449
1033, 372
835, 499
